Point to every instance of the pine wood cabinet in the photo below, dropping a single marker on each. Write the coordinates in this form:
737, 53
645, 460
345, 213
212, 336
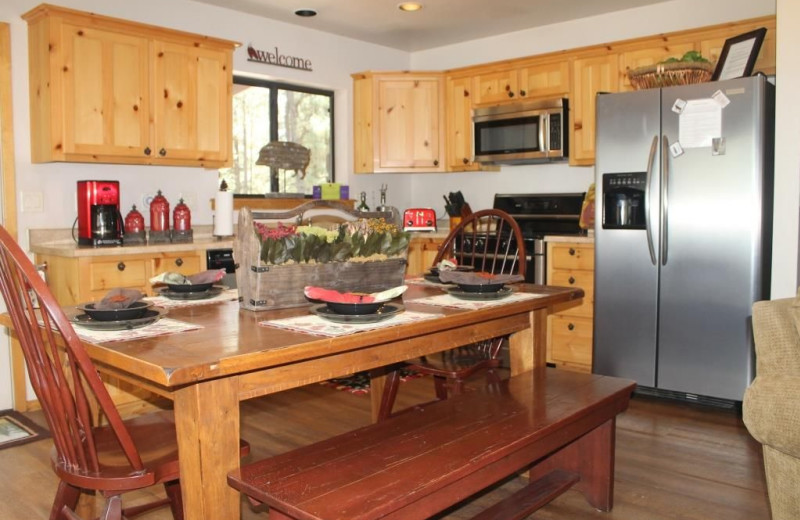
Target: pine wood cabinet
79, 279
422, 250
399, 122
534, 80
589, 77
569, 328
108, 90
458, 134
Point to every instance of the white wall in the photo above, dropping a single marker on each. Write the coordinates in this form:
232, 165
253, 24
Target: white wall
787, 153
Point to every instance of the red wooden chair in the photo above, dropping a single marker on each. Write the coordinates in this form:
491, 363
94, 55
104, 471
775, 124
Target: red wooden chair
490, 241
112, 459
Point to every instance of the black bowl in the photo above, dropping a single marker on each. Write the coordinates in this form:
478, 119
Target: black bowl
481, 288
190, 287
135, 311
352, 309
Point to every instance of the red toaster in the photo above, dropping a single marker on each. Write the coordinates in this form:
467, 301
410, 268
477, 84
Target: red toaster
419, 219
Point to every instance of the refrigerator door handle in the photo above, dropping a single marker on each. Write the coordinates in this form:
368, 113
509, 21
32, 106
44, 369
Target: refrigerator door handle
650, 162
664, 198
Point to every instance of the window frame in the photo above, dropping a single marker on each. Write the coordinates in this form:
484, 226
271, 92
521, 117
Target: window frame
274, 87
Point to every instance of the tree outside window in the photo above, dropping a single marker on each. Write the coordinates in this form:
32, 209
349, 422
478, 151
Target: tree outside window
265, 111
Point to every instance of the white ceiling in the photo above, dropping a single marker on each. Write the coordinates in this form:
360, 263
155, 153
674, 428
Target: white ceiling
438, 23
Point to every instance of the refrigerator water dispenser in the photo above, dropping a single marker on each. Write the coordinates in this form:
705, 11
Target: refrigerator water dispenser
624, 200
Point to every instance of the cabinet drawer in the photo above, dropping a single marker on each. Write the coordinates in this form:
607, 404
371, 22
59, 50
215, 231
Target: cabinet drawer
571, 340
572, 256
186, 264
582, 279
105, 275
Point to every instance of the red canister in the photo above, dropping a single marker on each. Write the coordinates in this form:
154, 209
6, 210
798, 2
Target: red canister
134, 221
181, 217
159, 213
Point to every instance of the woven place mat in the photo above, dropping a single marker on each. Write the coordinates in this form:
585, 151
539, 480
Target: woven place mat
447, 300
168, 303
313, 324
159, 328
422, 281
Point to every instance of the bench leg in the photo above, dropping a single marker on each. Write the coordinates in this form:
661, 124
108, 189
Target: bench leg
591, 457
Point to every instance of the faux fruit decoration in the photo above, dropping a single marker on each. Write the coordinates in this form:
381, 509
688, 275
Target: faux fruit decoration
688, 57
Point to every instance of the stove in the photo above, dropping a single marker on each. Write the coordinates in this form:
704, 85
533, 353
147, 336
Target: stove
538, 215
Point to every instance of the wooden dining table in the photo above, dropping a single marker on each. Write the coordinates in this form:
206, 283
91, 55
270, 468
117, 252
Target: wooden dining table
232, 357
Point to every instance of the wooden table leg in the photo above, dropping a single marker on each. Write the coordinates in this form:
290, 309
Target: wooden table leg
377, 381
207, 422
527, 348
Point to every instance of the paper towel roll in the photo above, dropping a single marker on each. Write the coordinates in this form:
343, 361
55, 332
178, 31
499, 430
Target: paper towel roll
223, 214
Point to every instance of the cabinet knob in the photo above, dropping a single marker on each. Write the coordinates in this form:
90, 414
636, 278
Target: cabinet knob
121, 266
510, 94
436, 162
571, 326
571, 280
179, 262
162, 152
466, 161
148, 151
572, 251
523, 93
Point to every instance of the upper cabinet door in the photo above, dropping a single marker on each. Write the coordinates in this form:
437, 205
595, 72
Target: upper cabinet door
458, 112
496, 87
409, 123
105, 85
590, 76
191, 102
545, 80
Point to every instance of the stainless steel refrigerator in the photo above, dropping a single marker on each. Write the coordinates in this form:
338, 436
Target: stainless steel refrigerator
683, 235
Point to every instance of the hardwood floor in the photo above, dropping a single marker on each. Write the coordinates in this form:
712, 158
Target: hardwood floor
674, 460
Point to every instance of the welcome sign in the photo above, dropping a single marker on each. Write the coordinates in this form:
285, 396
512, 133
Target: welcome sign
276, 58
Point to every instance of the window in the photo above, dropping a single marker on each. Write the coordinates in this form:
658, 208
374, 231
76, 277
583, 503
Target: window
266, 111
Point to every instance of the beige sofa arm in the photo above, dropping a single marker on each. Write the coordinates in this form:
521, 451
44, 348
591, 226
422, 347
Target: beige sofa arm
771, 412
776, 337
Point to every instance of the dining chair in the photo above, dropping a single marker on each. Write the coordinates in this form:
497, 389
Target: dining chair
113, 458
488, 241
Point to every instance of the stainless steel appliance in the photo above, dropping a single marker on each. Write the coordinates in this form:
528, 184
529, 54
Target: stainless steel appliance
683, 238
539, 215
223, 259
521, 133
99, 220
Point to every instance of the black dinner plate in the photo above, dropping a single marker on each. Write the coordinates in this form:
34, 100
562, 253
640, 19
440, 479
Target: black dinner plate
135, 310
189, 287
202, 295
480, 287
480, 296
150, 316
384, 313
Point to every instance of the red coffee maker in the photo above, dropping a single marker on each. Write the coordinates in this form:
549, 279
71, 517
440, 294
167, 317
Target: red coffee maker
99, 219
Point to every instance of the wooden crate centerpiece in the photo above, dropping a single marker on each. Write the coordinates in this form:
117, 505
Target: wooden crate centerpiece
276, 262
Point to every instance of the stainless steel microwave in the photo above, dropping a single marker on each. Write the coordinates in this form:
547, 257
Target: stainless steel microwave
521, 133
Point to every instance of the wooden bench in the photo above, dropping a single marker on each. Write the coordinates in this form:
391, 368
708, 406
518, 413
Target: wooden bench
419, 463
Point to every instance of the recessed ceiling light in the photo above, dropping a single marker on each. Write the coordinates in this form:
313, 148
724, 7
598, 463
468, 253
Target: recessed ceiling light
306, 13
409, 6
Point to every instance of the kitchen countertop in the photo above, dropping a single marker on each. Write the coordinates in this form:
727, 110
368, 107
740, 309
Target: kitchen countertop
59, 242
571, 238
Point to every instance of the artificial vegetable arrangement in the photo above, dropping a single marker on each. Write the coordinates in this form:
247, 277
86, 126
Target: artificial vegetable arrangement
360, 240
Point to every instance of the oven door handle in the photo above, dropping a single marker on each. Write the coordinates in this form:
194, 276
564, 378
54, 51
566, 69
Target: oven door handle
648, 228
